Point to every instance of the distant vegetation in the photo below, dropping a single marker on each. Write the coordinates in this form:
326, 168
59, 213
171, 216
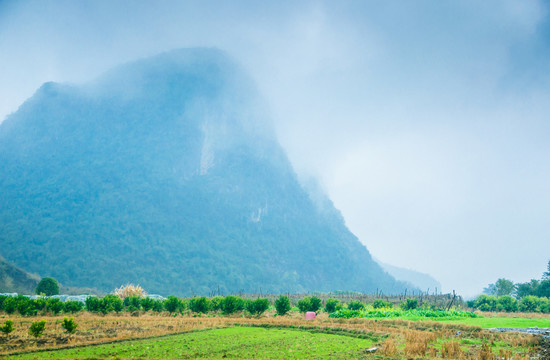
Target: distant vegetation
15, 280
47, 286
224, 305
504, 295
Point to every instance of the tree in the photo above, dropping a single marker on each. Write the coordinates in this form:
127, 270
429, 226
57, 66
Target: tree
504, 287
282, 305
546, 274
528, 288
47, 286
332, 305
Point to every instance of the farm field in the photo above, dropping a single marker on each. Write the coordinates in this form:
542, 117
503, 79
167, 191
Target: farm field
238, 342
268, 337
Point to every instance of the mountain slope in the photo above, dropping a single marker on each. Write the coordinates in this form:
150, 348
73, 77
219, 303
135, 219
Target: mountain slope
16, 280
166, 172
414, 279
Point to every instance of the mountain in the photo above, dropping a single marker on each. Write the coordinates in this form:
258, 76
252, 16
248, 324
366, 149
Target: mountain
414, 279
16, 280
166, 172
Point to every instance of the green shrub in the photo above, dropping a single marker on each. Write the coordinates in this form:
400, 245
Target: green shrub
39, 304
282, 305
110, 303
72, 306
409, 304
507, 303
199, 304
47, 286
69, 325
93, 304
315, 304
332, 305
529, 303
37, 328
173, 304
158, 305
231, 304
258, 306
55, 306
25, 306
10, 305
216, 303
8, 327
382, 304
2, 300
147, 303
544, 305
304, 304
485, 303
132, 303
356, 305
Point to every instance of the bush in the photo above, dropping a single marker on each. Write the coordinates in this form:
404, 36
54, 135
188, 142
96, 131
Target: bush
69, 325
544, 305
216, 303
258, 306
55, 306
110, 303
282, 305
507, 303
485, 303
173, 304
529, 303
409, 304
356, 305
199, 304
10, 305
147, 303
47, 286
381, 304
8, 327
304, 304
25, 306
72, 306
132, 303
2, 300
93, 304
37, 328
158, 305
332, 305
315, 304
231, 304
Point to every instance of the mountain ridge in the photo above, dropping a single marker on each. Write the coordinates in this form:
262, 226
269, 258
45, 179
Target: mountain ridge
166, 172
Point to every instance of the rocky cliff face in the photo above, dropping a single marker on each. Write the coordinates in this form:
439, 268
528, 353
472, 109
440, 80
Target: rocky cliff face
166, 172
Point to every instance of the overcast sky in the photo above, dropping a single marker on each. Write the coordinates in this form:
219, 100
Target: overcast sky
427, 122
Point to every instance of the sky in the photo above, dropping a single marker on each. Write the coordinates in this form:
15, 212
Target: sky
426, 122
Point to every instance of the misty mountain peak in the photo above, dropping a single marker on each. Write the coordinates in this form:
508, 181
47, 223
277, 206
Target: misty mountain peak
166, 172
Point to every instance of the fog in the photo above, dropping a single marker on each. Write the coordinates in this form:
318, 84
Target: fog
426, 122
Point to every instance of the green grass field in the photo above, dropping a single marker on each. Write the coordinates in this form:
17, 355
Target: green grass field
501, 322
232, 343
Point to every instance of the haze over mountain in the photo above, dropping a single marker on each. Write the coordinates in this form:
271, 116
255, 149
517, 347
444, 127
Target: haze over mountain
166, 172
414, 279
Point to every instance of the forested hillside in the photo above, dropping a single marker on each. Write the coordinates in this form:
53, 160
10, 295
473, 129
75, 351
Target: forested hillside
166, 172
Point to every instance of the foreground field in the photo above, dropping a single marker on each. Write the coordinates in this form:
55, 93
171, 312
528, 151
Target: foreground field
269, 337
237, 343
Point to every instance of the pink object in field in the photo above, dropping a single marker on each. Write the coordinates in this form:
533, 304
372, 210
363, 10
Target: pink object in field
310, 315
